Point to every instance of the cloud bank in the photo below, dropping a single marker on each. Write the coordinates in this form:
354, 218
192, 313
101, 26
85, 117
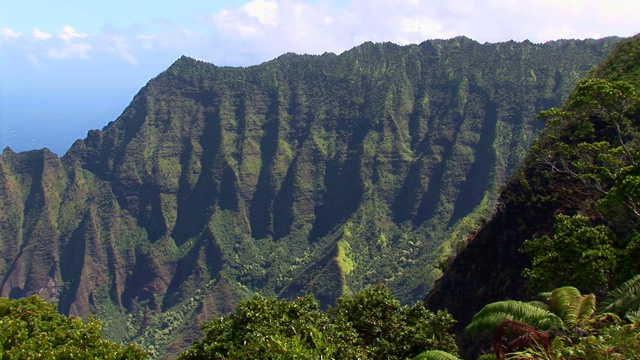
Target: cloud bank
254, 31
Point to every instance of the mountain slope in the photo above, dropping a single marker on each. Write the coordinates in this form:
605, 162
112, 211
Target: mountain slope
304, 174
490, 268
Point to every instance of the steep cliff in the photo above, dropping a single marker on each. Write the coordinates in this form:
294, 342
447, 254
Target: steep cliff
303, 174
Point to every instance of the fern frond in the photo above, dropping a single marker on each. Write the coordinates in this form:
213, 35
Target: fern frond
586, 308
561, 299
633, 316
435, 355
543, 295
494, 314
540, 304
623, 299
568, 303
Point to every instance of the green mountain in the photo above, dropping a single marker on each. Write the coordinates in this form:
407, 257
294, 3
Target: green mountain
569, 215
303, 174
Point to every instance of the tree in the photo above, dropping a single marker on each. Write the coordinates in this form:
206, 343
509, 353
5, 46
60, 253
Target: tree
270, 328
388, 330
577, 254
31, 328
591, 147
611, 101
369, 325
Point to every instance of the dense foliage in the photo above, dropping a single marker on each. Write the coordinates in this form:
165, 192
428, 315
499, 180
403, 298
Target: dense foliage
31, 328
564, 324
600, 157
368, 325
577, 253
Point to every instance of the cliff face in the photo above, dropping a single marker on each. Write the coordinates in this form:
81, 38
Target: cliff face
304, 174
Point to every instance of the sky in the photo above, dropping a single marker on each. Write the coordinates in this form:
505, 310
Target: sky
68, 66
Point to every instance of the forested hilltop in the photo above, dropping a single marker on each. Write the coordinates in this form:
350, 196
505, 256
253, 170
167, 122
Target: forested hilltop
304, 174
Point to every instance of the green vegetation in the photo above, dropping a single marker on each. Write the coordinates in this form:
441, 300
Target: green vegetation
368, 325
305, 174
600, 158
568, 221
31, 328
576, 254
435, 355
565, 325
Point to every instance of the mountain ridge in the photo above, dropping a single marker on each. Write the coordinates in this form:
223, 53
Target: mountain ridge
303, 174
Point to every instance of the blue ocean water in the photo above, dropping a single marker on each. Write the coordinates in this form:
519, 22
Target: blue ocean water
55, 121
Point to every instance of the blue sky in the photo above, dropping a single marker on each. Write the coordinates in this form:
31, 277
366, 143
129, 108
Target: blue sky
70, 66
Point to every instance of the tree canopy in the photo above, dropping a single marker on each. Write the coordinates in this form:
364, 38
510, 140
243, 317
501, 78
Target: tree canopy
593, 145
31, 328
368, 325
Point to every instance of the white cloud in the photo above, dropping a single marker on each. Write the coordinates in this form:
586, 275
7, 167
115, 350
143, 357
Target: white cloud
119, 46
8, 34
146, 41
425, 27
265, 11
252, 31
539, 20
317, 27
233, 23
171, 36
69, 50
71, 47
40, 35
69, 33
263, 29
